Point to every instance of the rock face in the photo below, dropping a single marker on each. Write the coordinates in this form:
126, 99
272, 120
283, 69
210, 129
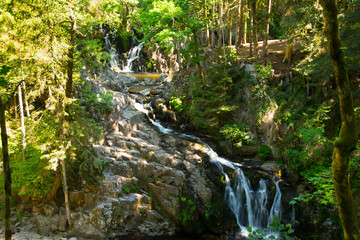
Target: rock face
163, 61
153, 182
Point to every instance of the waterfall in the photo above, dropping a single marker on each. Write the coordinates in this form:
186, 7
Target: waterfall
133, 55
114, 60
249, 206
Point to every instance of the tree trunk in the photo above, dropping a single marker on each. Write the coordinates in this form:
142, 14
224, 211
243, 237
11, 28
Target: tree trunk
197, 54
15, 108
254, 27
178, 46
67, 207
7, 171
240, 24
207, 33
230, 32
213, 27
348, 135
26, 102
251, 30
6, 164
220, 34
23, 142
52, 194
288, 52
70, 66
245, 26
267, 20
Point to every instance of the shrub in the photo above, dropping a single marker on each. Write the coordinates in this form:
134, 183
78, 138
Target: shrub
238, 133
264, 152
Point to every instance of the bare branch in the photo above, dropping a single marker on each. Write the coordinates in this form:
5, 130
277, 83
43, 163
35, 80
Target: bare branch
12, 94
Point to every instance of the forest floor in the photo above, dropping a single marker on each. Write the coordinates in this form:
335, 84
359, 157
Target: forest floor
276, 52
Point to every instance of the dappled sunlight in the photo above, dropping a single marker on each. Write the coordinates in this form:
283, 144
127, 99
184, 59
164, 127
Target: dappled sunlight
269, 116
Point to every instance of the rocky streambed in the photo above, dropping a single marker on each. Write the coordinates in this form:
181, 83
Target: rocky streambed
156, 185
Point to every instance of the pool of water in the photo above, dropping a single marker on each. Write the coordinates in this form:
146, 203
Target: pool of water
152, 76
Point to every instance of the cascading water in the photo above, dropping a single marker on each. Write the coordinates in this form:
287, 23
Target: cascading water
114, 61
133, 55
249, 206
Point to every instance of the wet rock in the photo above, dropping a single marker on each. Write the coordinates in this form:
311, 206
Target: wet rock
227, 147
172, 116
160, 106
148, 81
156, 91
116, 85
247, 151
161, 78
142, 90
272, 167
145, 92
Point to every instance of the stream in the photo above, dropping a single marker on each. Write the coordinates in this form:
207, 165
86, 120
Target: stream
250, 206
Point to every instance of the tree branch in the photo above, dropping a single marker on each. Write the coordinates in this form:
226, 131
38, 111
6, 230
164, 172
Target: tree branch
12, 94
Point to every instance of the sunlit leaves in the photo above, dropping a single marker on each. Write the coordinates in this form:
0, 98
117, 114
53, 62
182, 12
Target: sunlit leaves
168, 21
165, 7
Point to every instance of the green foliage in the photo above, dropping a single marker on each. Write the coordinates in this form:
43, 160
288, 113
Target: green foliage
283, 231
264, 152
31, 177
262, 76
35, 176
91, 168
3, 72
316, 149
312, 157
208, 211
309, 145
176, 104
97, 101
238, 133
125, 189
188, 208
321, 178
130, 188
209, 101
91, 55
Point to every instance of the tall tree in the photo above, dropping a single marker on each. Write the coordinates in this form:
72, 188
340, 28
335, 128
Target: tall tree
221, 24
6, 159
267, 28
348, 135
254, 27
207, 30
240, 23
70, 65
213, 8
